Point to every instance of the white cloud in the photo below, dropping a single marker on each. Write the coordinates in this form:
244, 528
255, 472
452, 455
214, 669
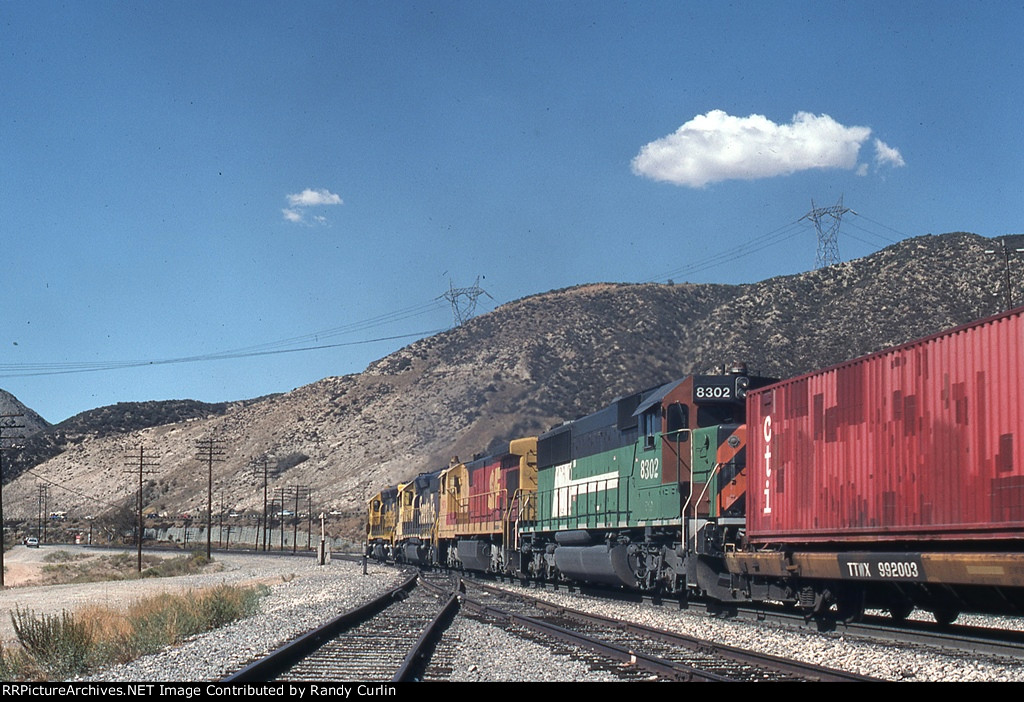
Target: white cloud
718, 146
887, 155
309, 198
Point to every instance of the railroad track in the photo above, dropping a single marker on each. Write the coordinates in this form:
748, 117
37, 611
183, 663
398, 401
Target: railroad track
1001, 645
661, 653
386, 640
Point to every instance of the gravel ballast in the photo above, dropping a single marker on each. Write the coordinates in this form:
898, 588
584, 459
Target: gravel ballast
303, 595
887, 662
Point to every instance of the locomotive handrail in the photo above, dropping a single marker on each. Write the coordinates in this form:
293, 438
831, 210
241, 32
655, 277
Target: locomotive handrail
585, 495
711, 474
522, 503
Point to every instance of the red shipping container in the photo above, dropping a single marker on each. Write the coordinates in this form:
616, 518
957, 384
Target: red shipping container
924, 441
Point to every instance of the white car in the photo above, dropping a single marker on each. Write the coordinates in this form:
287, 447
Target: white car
32, 542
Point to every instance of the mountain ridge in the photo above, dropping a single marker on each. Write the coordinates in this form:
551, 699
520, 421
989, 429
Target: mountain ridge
531, 364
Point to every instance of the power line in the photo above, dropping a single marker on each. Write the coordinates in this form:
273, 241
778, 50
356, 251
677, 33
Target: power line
78, 493
311, 341
142, 462
25, 370
881, 237
894, 231
769, 239
1005, 250
758, 243
7, 421
210, 451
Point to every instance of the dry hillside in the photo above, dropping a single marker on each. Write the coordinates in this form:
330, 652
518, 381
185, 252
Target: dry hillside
528, 365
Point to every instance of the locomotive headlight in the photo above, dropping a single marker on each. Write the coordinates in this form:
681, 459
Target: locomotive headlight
742, 384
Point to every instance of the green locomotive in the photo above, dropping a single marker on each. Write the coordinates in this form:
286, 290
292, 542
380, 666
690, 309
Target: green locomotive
642, 492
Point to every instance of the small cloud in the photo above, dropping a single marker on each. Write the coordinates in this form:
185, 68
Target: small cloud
887, 155
718, 146
309, 198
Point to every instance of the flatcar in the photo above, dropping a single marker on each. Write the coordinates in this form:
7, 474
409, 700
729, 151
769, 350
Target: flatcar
894, 480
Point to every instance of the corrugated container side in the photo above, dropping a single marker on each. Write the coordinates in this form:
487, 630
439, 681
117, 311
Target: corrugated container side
921, 441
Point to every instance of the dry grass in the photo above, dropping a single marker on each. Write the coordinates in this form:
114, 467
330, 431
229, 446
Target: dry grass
58, 647
62, 567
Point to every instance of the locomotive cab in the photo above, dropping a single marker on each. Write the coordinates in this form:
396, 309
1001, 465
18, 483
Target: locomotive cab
382, 515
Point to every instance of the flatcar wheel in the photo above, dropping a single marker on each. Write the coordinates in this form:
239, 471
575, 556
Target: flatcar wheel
945, 615
900, 611
850, 605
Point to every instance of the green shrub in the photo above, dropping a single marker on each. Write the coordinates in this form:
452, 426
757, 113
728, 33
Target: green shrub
181, 565
60, 645
62, 557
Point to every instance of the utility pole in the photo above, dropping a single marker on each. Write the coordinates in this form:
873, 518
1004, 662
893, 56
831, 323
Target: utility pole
220, 520
463, 311
7, 421
210, 451
828, 241
140, 460
42, 510
280, 491
297, 492
1005, 251
263, 462
309, 520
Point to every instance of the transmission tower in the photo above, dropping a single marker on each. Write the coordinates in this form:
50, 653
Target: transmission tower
828, 241
463, 300
1005, 250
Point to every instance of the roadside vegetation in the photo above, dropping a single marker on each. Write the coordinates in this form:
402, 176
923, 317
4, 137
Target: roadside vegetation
59, 647
64, 567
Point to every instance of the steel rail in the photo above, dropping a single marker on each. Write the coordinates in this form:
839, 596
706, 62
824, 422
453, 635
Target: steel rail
657, 665
805, 671
415, 661
282, 658
973, 639
808, 671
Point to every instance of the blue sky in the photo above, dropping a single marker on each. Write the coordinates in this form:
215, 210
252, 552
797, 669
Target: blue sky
185, 179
